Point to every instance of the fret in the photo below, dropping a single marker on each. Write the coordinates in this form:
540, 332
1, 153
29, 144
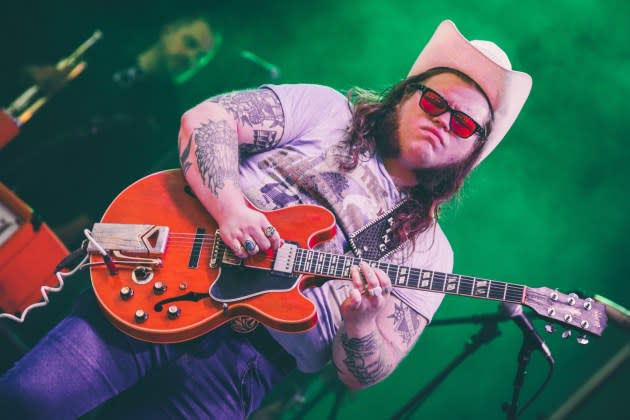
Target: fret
452, 283
347, 263
414, 278
425, 277
319, 263
383, 266
393, 274
480, 288
402, 276
325, 260
438, 283
466, 286
309, 261
497, 290
339, 269
332, 265
299, 260
514, 293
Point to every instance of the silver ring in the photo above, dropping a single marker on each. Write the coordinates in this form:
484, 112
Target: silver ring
375, 292
250, 245
269, 231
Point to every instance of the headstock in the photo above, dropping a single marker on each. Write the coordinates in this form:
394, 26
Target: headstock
585, 315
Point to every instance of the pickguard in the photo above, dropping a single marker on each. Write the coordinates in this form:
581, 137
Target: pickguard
237, 283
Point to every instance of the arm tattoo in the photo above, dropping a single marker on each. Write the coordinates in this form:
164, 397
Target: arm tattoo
216, 154
357, 351
256, 108
406, 322
263, 140
183, 158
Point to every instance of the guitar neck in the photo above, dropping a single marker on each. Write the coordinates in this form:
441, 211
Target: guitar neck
323, 264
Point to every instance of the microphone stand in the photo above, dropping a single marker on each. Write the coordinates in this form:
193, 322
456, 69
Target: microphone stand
524, 354
489, 331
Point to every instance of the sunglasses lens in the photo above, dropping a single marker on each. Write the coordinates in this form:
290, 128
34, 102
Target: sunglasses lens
432, 103
462, 125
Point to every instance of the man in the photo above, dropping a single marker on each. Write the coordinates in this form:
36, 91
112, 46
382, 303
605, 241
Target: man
398, 156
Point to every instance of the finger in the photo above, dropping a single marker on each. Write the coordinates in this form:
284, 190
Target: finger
353, 301
369, 275
237, 248
384, 280
273, 236
357, 280
259, 237
251, 246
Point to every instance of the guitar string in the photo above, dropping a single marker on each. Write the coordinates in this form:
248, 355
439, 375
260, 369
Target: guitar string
509, 294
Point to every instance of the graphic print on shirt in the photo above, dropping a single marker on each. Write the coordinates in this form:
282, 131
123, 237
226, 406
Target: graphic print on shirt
275, 194
355, 197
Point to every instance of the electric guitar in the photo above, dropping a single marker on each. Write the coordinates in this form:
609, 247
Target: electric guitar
161, 272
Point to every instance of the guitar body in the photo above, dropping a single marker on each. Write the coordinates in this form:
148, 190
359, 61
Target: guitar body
191, 284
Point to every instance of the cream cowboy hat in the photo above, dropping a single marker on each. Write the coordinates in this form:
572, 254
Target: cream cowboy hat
486, 64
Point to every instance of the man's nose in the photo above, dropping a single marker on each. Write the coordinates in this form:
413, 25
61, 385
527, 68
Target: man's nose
443, 120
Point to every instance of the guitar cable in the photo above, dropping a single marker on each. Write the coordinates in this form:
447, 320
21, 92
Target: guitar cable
538, 391
65, 263
45, 290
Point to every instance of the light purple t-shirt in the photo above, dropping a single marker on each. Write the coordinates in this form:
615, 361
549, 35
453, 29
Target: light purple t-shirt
302, 169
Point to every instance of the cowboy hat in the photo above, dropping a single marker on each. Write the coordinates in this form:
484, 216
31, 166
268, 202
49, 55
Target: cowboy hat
488, 66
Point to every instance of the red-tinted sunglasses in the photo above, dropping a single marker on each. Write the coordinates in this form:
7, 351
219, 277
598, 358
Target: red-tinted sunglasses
434, 104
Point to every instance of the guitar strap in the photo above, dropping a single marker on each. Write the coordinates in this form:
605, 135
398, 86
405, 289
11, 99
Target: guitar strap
375, 240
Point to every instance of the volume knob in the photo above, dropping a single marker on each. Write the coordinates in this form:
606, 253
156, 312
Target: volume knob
141, 316
126, 292
173, 312
159, 288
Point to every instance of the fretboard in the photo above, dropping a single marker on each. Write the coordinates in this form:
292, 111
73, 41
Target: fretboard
329, 265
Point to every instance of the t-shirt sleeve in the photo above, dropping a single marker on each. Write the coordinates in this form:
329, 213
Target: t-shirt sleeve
433, 252
309, 109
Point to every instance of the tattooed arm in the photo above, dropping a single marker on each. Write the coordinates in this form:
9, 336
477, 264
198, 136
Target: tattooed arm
211, 136
377, 331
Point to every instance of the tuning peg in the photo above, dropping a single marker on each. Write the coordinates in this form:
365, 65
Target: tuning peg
566, 333
588, 304
549, 328
582, 339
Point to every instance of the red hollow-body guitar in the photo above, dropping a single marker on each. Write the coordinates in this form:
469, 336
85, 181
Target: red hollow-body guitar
162, 274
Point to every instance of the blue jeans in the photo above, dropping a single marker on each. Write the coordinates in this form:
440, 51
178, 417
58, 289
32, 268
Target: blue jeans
84, 362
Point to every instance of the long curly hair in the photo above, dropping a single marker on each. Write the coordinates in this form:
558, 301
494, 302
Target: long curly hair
373, 128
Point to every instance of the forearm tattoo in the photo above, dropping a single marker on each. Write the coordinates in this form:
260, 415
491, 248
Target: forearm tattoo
184, 157
358, 353
216, 154
406, 322
256, 108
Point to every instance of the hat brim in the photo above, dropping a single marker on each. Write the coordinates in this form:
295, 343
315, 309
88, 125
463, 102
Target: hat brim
506, 89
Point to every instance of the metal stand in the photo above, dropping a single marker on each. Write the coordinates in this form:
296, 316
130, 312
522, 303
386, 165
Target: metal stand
489, 331
523, 360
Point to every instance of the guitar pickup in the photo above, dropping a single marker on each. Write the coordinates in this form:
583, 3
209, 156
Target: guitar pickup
284, 261
130, 238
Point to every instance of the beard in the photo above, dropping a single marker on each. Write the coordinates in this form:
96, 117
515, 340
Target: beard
436, 181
